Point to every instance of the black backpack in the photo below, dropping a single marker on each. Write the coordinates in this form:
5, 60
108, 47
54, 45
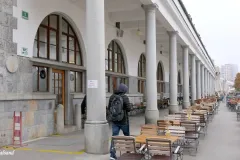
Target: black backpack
116, 109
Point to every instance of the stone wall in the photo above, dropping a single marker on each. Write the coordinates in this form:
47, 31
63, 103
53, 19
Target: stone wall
37, 119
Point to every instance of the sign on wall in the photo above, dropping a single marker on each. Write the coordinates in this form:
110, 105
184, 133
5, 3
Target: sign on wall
24, 51
25, 15
92, 84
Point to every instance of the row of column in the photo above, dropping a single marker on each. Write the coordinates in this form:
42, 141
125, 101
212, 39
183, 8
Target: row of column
202, 82
96, 127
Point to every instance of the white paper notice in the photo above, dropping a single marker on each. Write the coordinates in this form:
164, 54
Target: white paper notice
92, 83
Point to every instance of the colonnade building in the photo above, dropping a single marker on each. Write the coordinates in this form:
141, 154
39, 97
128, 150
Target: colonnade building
55, 51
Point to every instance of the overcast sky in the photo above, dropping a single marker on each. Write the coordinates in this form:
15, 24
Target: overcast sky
218, 23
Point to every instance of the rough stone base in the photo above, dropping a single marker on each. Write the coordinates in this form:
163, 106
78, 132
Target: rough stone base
37, 120
151, 116
96, 138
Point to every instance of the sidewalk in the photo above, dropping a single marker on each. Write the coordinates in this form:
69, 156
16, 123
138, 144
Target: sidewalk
221, 142
65, 147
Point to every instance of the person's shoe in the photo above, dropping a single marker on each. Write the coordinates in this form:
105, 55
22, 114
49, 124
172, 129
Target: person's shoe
111, 158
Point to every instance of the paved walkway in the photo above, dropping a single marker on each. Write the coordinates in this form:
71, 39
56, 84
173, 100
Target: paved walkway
222, 142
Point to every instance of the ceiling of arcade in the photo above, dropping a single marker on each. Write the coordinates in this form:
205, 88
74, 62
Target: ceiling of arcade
131, 16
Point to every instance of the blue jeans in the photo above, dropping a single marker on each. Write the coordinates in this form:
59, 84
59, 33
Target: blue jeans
115, 132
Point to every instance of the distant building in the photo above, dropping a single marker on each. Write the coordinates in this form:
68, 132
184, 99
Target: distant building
229, 71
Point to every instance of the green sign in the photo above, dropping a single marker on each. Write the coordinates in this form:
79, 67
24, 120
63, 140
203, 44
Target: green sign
24, 51
25, 15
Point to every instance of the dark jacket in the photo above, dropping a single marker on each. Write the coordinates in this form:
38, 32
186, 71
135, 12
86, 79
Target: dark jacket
122, 90
84, 105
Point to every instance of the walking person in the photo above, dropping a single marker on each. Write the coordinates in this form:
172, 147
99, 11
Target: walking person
84, 110
119, 106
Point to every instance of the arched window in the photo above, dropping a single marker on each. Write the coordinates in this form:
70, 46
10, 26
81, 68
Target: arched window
141, 73
56, 40
179, 82
160, 81
115, 67
47, 42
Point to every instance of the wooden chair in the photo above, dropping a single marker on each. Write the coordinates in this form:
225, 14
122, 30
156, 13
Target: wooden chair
177, 131
163, 124
203, 122
126, 144
192, 134
160, 149
173, 117
149, 130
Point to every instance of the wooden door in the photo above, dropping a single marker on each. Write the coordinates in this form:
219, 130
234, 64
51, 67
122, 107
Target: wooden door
58, 79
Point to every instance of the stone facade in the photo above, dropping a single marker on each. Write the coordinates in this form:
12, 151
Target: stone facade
37, 115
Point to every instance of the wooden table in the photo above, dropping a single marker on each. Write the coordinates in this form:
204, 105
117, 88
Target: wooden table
142, 138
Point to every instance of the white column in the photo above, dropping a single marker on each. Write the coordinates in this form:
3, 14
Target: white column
151, 113
208, 90
206, 83
203, 81
96, 130
186, 102
193, 78
198, 80
173, 87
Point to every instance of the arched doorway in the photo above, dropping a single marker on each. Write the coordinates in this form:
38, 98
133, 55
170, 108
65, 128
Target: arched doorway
57, 47
115, 67
160, 78
142, 74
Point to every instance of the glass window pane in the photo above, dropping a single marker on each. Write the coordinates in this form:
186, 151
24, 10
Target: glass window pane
53, 45
71, 57
43, 79
71, 31
123, 68
115, 62
115, 47
71, 43
64, 41
45, 21
106, 64
64, 26
110, 61
53, 21
78, 59
64, 55
35, 78
72, 81
77, 47
42, 42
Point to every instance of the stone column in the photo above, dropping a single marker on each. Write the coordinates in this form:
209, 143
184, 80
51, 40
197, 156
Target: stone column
193, 78
151, 113
186, 102
198, 80
96, 130
173, 72
203, 81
